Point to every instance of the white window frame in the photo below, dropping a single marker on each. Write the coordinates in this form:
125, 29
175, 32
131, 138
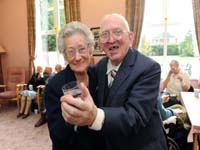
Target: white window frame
47, 58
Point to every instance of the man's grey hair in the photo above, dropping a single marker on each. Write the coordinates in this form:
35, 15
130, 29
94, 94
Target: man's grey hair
174, 62
74, 28
120, 17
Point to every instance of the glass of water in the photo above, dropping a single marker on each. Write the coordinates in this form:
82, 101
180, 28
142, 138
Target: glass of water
72, 88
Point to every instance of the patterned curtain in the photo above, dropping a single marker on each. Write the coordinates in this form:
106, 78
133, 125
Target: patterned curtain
72, 10
134, 15
31, 34
196, 12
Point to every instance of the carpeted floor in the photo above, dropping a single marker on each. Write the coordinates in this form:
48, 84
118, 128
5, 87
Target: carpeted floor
20, 134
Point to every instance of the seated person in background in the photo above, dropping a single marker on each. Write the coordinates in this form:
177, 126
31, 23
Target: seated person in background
166, 112
176, 82
47, 73
42, 119
176, 122
58, 68
28, 95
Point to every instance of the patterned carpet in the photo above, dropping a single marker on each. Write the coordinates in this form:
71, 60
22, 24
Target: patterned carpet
20, 134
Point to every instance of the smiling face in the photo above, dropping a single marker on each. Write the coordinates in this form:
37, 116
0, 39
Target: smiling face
77, 53
115, 38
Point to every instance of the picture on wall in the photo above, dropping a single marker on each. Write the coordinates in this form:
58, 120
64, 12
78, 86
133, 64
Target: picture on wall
95, 31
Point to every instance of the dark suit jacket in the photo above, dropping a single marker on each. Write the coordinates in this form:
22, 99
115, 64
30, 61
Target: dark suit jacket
132, 120
62, 135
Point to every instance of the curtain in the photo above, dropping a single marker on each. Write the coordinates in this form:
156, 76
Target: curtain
72, 10
196, 12
31, 34
134, 16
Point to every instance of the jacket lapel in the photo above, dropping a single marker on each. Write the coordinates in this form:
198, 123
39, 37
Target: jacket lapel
102, 81
126, 67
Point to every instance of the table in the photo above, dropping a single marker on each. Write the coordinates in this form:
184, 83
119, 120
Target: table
192, 105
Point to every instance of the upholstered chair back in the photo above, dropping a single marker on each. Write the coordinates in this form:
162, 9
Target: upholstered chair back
15, 75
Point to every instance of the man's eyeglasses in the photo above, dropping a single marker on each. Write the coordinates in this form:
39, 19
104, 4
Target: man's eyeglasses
116, 34
71, 52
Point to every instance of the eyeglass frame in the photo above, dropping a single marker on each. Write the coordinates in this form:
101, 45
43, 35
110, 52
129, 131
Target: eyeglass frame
82, 50
116, 34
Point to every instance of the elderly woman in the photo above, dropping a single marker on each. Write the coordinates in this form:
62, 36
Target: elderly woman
76, 42
28, 95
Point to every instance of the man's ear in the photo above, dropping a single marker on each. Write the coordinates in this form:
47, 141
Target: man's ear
131, 36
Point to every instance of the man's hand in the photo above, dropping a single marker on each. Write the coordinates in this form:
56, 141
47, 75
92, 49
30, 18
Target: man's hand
180, 77
165, 98
169, 73
80, 110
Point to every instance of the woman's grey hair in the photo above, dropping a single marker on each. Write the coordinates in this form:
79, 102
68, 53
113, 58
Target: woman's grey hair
174, 62
74, 28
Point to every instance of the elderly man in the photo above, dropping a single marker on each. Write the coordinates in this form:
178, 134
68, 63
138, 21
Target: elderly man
176, 82
128, 86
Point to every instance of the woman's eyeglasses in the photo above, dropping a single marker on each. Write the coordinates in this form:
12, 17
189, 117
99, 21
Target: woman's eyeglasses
71, 52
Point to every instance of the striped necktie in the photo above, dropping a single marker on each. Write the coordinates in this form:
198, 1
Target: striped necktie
112, 74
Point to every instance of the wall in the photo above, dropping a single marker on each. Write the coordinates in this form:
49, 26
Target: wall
13, 26
92, 11
13, 33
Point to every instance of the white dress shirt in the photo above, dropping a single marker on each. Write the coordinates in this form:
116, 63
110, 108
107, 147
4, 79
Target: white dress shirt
100, 117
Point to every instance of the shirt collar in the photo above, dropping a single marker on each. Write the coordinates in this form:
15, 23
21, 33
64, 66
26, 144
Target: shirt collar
110, 67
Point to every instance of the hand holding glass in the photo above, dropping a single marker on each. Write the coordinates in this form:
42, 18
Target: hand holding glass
72, 88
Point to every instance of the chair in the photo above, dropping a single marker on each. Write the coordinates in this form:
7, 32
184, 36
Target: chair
194, 83
172, 145
39, 97
14, 83
191, 89
168, 124
40, 88
20, 87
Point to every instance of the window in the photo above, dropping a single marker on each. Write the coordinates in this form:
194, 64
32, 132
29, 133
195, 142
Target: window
168, 33
49, 19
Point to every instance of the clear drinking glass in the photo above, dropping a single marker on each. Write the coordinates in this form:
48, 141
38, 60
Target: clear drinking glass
30, 87
72, 88
196, 92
